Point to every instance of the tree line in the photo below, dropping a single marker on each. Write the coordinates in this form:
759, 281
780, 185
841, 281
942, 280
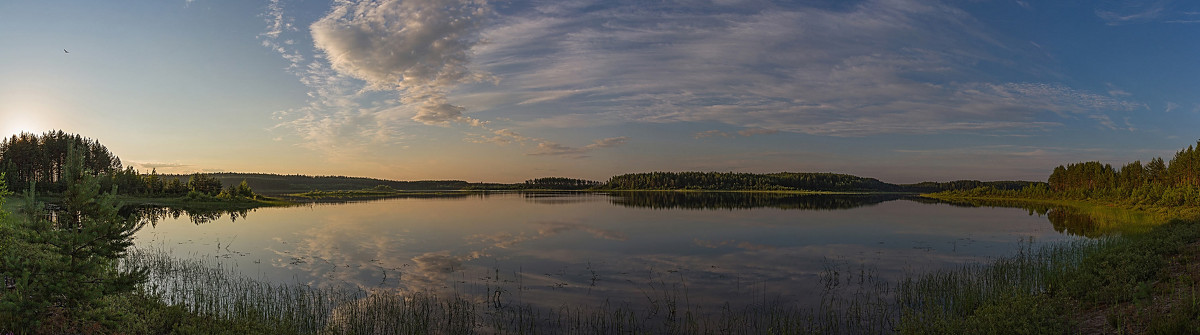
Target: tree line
57, 269
40, 161
1158, 183
27, 159
783, 181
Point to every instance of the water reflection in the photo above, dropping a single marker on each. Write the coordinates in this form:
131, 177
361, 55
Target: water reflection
743, 200
567, 248
1065, 219
1073, 222
156, 214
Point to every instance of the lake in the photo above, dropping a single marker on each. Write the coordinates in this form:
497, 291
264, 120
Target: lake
572, 248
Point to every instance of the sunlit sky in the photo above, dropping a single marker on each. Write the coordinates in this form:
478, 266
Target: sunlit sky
503, 91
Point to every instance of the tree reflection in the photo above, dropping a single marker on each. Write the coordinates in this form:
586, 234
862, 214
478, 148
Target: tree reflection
1065, 219
154, 214
1072, 222
747, 200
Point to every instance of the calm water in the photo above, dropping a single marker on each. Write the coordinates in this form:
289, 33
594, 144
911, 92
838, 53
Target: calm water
552, 249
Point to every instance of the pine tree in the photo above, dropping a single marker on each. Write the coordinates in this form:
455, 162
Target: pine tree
64, 264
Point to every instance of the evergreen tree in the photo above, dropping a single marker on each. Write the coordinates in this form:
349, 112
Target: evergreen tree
64, 264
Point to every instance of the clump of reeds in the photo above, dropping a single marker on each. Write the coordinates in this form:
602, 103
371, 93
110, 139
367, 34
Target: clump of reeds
208, 289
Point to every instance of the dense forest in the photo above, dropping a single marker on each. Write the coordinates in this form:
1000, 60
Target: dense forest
730, 201
546, 183
32, 159
789, 181
283, 184
1158, 183
29, 159
40, 160
784, 181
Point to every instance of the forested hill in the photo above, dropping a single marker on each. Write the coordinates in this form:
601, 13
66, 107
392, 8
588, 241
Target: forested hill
784, 181
283, 184
787, 181
30, 159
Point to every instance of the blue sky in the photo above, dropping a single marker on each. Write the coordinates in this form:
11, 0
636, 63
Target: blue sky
901, 90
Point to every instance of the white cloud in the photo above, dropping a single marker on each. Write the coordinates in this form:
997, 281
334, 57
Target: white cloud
711, 133
501, 137
547, 148
1171, 106
1104, 120
420, 48
882, 66
756, 131
874, 67
1128, 12
377, 67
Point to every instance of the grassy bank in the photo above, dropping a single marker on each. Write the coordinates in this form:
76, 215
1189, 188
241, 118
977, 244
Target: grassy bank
1131, 283
202, 296
351, 195
205, 203
1141, 283
1105, 218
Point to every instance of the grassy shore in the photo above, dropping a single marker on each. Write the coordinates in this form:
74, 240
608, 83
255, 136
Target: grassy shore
205, 203
1141, 281
1132, 284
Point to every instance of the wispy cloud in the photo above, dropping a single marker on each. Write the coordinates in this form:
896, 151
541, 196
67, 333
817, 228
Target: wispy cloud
1116, 13
1117, 92
756, 131
711, 133
744, 133
146, 167
548, 148
417, 47
870, 68
846, 72
377, 67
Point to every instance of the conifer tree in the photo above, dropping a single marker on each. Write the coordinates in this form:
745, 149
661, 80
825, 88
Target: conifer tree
65, 263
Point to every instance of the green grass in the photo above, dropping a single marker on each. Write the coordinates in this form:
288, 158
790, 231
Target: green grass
340, 194
184, 295
204, 202
1053, 289
1141, 281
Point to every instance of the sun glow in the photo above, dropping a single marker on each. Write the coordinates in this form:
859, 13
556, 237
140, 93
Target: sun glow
16, 121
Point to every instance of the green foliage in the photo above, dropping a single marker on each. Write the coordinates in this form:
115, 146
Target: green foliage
745, 200
783, 181
276, 184
204, 184
560, 183
1034, 292
1157, 185
61, 265
27, 159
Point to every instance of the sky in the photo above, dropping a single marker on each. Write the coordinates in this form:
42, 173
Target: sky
503, 91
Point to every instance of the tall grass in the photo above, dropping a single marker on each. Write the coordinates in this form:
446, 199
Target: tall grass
849, 305
1030, 292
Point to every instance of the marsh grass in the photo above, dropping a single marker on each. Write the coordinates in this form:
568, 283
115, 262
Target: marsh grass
851, 304
1041, 289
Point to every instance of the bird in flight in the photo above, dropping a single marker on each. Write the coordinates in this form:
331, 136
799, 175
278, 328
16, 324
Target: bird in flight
65, 51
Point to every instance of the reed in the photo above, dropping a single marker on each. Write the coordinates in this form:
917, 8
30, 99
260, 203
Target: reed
1026, 292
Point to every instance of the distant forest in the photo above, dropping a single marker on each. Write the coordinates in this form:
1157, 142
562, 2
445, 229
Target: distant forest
1158, 183
28, 159
282, 184
788, 181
